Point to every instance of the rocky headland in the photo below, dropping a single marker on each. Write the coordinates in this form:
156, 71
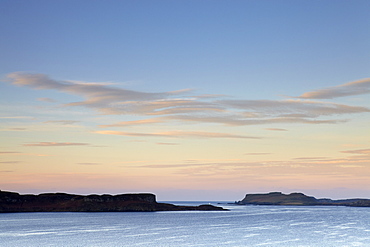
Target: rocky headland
62, 202
295, 199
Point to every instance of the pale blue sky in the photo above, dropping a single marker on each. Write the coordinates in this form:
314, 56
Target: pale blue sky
214, 46
255, 58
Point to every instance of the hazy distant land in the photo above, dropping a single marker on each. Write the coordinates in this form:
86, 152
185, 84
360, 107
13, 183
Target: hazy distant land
299, 199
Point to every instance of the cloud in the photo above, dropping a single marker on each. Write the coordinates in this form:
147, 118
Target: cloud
352, 88
276, 129
130, 123
63, 122
294, 108
46, 100
89, 164
178, 134
16, 117
202, 96
237, 120
96, 95
54, 144
91, 83
174, 165
257, 153
163, 106
5, 153
9, 162
310, 158
21, 154
17, 129
359, 155
167, 143
358, 151
235, 170
184, 106
115, 100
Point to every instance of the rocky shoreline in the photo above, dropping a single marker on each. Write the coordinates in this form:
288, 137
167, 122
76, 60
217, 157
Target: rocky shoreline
11, 202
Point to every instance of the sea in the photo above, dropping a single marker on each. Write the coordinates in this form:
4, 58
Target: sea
274, 226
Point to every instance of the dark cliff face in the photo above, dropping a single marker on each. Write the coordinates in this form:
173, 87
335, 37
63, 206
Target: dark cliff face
278, 198
62, 202
14, 202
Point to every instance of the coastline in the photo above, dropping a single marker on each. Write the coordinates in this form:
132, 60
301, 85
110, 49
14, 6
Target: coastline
11, 202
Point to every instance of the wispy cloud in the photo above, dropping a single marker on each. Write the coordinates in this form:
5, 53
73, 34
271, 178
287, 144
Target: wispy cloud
167, 143
5, 153
236, 170
89, 164
91, 83
359, 155
9, 162
352, 88
276, 129
298, 109
184, 106
54, 144
96, 95
257, 153
46, 100
178, 134
16, 117
63, 122
311, 158
131, 123
358, 151
239, 120
21, 154
17, 129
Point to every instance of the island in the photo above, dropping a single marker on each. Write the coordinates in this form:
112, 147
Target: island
298, 199
11, 202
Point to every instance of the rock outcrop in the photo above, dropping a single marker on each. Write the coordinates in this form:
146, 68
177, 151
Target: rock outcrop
62, 202
278, 198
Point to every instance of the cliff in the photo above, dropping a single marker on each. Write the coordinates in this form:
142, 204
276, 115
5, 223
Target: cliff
62, 202
278, 198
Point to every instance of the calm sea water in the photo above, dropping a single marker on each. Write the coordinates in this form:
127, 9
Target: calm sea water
242, 226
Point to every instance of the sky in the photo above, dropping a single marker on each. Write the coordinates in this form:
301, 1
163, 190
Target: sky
186, 99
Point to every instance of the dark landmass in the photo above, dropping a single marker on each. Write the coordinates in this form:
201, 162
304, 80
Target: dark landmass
294, 199
62, 202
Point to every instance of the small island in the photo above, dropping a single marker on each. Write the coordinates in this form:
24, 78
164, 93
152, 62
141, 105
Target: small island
298, 199
11, 202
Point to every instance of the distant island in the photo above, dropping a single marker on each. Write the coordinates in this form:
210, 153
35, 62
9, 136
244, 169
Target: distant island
298, 199
62, 202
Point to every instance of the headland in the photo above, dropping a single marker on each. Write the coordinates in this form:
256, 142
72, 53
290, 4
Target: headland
299, 199
63, 202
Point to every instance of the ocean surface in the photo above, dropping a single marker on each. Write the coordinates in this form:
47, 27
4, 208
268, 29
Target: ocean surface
322, 226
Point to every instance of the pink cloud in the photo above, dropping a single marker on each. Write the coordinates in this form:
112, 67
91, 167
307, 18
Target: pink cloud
177, 134
352, 88
54, 144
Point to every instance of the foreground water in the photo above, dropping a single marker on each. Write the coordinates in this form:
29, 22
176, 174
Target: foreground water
241, 226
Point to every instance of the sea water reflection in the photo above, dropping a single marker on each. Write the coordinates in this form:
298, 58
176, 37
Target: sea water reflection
241, 226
